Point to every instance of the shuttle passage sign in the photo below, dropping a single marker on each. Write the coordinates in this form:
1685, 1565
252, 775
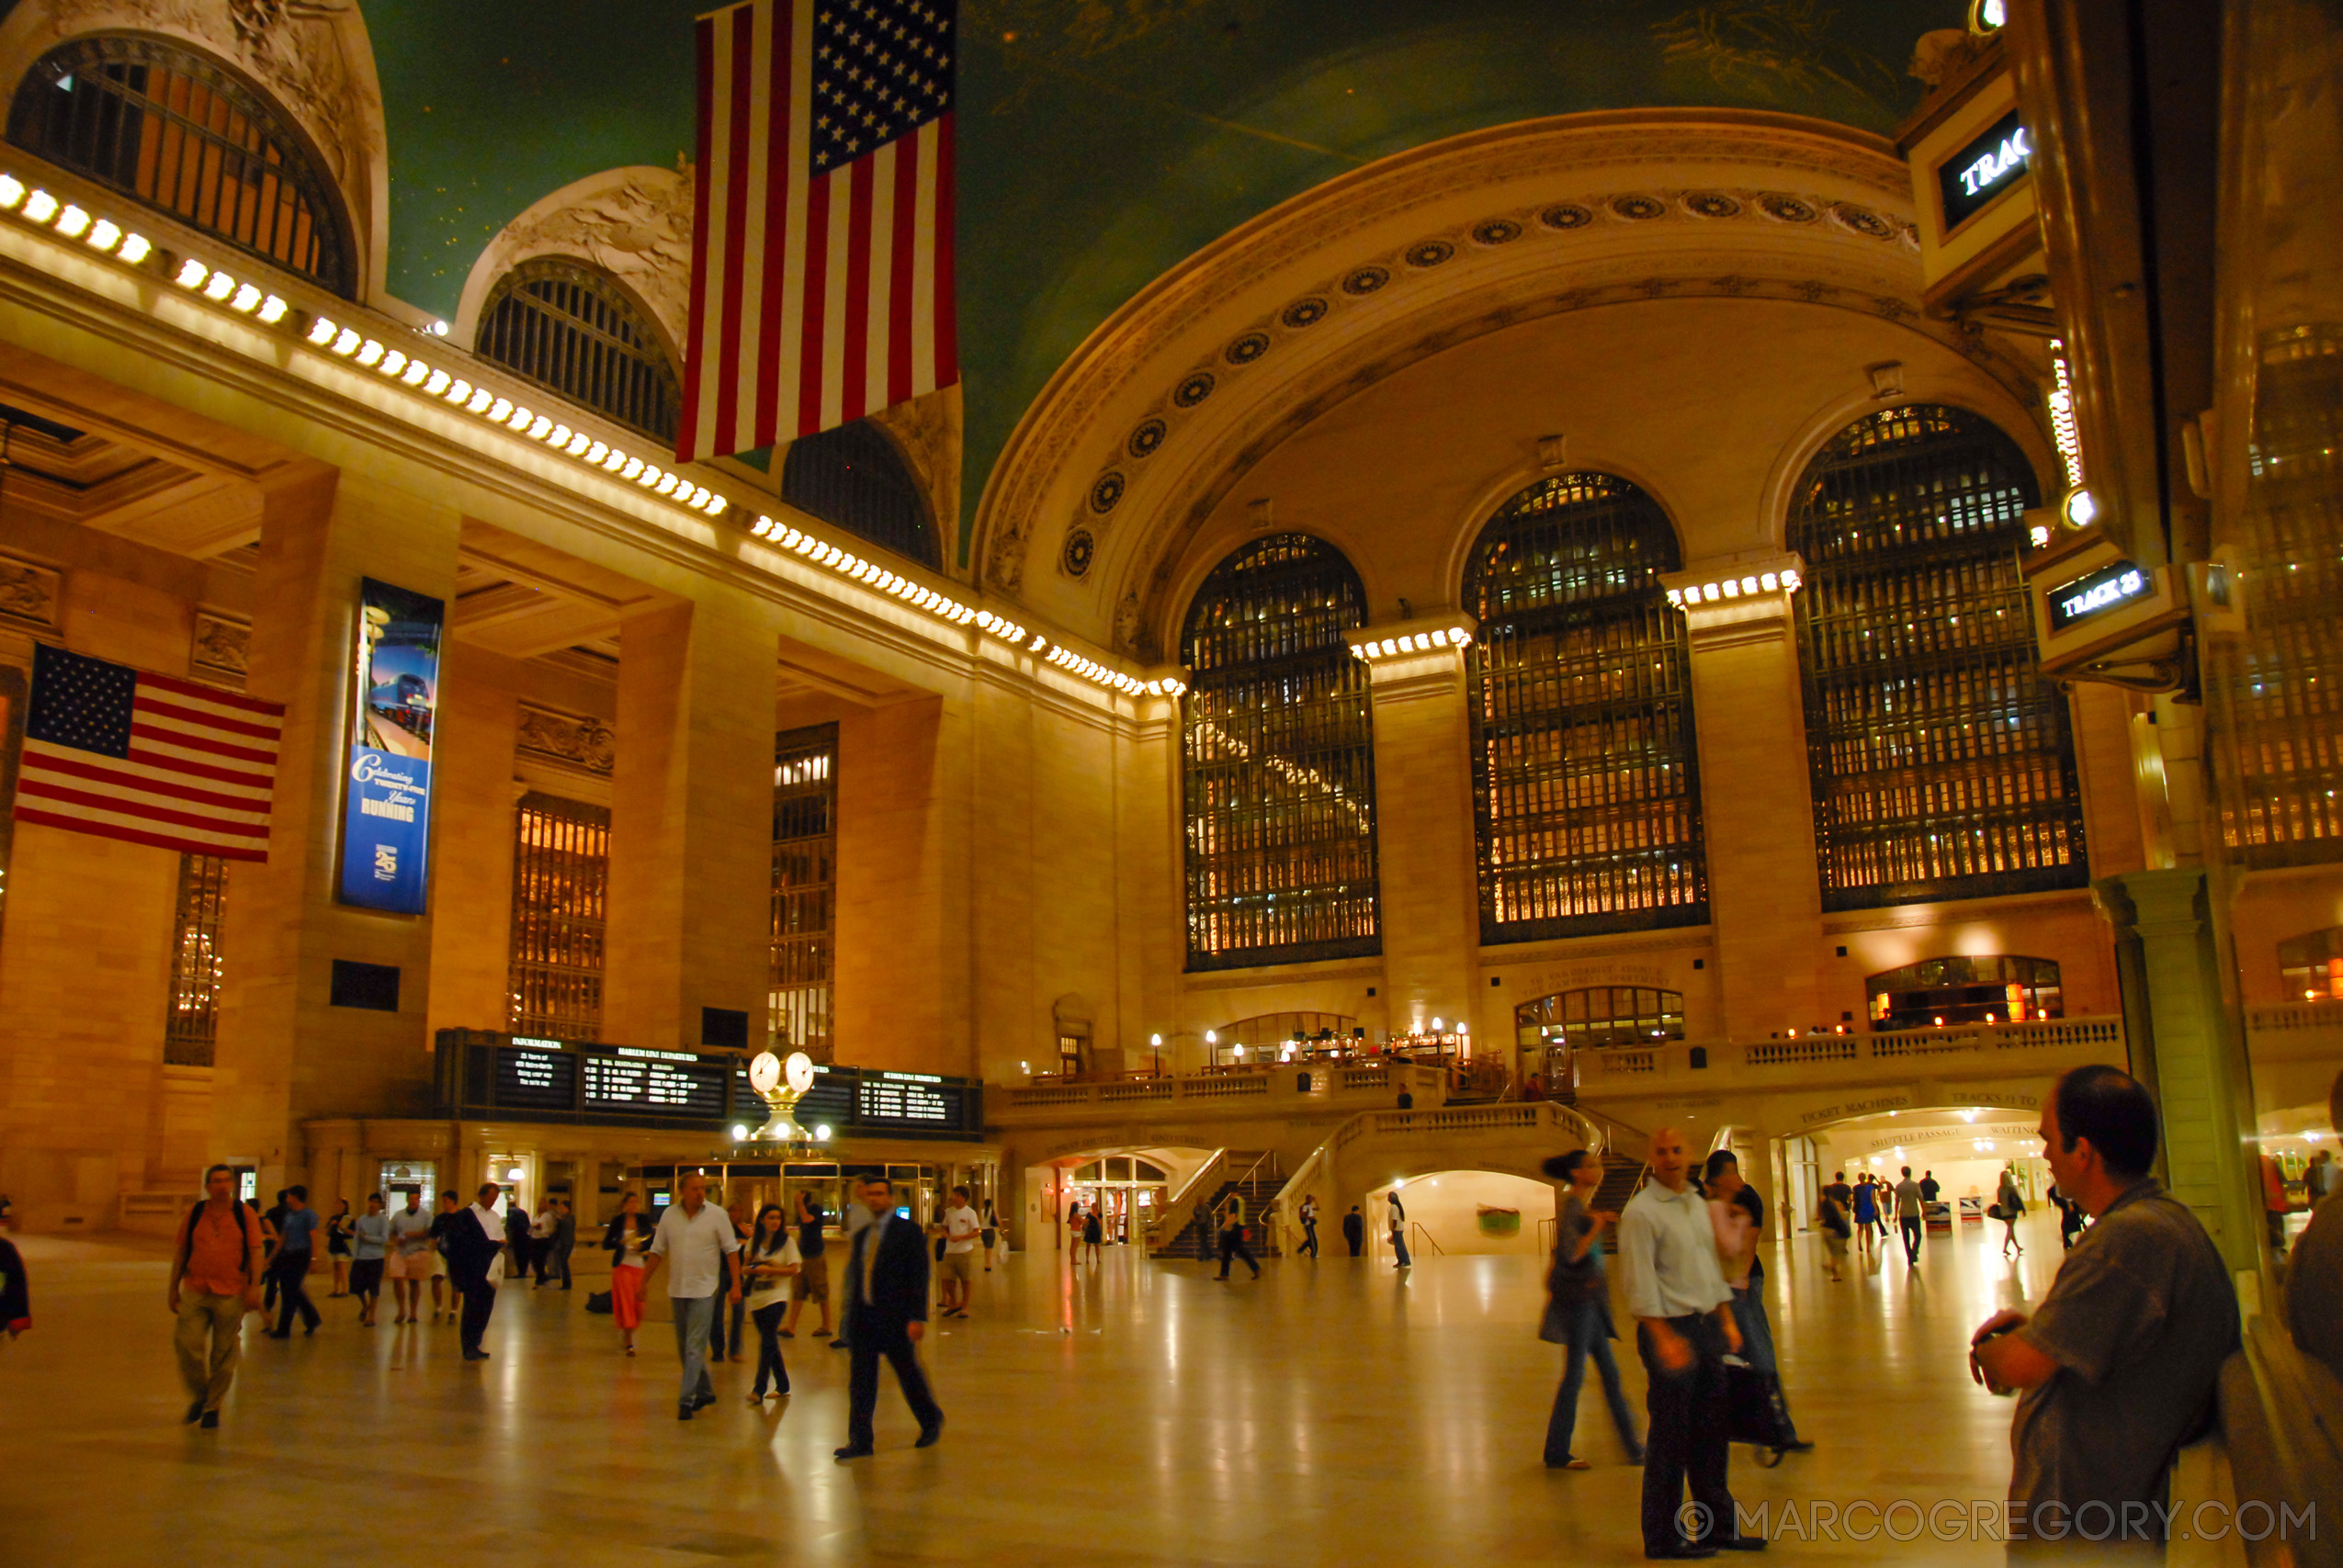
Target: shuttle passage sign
385, 792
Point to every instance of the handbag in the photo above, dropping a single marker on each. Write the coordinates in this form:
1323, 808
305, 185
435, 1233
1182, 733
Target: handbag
1755, 1413
1993, 1211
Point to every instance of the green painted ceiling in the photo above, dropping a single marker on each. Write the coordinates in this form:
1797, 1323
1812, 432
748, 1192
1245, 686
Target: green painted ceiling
1101, 140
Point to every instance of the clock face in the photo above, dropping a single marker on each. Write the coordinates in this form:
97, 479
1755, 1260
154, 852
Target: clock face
764, 1072
801, 1070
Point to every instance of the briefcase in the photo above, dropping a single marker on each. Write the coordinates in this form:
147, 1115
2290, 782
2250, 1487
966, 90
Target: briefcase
1755, 1410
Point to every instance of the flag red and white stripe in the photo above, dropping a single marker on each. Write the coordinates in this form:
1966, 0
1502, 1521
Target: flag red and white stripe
821, 284
200, 769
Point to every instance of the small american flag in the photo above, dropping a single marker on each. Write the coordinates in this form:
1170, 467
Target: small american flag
821, 259
124, 754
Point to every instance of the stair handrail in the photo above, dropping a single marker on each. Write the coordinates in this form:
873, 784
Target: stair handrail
1219, 1158
1424, 1239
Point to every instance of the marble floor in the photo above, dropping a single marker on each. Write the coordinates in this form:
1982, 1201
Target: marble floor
1131, 1414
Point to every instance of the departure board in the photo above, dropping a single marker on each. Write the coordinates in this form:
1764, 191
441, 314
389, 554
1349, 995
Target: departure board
536, 1080
906, 1100
655, 1083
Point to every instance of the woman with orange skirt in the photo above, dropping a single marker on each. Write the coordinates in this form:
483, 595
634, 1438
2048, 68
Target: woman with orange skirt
629, 1234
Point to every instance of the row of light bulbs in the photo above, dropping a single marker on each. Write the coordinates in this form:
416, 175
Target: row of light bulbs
1786, 580
247, 299
1374, 648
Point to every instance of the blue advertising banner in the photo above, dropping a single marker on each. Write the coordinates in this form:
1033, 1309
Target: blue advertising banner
386, 795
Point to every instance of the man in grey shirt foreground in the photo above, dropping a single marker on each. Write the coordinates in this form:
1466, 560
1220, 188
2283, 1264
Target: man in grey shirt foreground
2116, 1368
1908, 1216
1684, 1330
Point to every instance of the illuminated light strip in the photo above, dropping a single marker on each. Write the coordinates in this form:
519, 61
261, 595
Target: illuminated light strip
2064, 433
200, 279
1373, 649
1785, 580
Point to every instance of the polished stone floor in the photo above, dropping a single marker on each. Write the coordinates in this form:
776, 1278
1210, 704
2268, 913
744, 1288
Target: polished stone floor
1133, 1414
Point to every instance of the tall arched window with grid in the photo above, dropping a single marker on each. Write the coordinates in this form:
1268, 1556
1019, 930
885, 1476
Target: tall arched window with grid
1279, 761
1586, 791
192, 139
573, 330
1942, 761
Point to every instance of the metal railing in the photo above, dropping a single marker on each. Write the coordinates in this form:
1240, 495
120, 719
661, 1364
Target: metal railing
1423, 1240
1898, 1046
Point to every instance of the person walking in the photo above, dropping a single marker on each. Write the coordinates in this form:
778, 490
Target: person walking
2008, 1204
1908, 1199
272, 1227
626, 1238
1309, 1217
289, 1267
370, 1242
1866, 1211
812, 1284
768, 1264
1930, 1188
1094, 1230
700, 1244
517, 1247
476, 1239
990, 1233
563, 1239
541, 1238
2118, 1366
15, 1294
961, 1224
1578, 1313
1355, 1231
1232, 1236
215, 1280
1395, 1214
734, 1343
1738, 1214
1685, 1329
1838, 1229
886, 1283
338, 1248
411, 1257
443, 1224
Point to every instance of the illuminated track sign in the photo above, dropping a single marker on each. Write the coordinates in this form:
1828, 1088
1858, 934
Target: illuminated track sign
1983, 169
2102, 591
386, 781
906, 1100
654, 1083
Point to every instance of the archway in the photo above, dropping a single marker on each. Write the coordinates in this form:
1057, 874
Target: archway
1464, 1213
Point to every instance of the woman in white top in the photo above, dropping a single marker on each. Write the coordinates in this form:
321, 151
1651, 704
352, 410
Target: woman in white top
768, 1264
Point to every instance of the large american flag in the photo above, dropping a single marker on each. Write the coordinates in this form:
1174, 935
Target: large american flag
822, 260
125, 754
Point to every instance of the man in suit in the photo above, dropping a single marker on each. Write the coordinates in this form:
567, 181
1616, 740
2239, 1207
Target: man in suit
475, 1237
886, 1288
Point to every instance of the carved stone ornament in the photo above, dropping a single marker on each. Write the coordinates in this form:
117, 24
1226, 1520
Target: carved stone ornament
634, 223
30, 592
311, 55
586, 744
221, 645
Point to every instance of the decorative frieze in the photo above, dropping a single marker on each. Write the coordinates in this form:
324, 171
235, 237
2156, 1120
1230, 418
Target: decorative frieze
29, 594
568, 740
220, 646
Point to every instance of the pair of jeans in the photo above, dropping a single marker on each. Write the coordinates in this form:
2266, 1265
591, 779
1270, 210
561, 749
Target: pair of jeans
1309, 1239
768, 1355
1589, 1331
1911, 1228
1757, 1346
694, 1317
208, 1340
1399, 1248
872, 1341
1690, 1420
290, 1270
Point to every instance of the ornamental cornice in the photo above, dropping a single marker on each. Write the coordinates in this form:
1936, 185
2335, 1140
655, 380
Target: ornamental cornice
1368, 243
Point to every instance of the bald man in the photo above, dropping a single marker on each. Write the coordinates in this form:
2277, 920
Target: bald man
1684, 1329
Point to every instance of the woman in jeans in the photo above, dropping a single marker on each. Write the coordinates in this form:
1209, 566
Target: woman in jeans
1579, 1313
768, 1263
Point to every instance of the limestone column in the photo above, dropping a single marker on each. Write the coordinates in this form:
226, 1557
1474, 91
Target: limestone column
2189, 1049
691, 822
1756, 809
285, 1054
1423, 798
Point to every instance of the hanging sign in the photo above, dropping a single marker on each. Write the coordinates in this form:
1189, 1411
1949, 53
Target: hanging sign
386, 789
1990, 163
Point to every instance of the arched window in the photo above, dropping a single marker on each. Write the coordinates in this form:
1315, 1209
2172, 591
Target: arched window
1994, 989
570, 329
186, 135
1601, 1015
853, 478
2311, 965
1279, 754
1941, 761
1585, 793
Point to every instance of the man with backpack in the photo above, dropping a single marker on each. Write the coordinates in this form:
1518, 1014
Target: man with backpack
215, 1280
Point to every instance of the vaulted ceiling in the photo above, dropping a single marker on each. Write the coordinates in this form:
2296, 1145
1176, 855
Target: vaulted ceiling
1102, 141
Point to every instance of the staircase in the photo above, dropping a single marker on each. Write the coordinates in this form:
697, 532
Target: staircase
1622, 1180
1258, 1179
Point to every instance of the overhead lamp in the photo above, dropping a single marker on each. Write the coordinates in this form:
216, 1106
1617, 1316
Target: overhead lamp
41, 206
2079, 508
740, 1133
12, 191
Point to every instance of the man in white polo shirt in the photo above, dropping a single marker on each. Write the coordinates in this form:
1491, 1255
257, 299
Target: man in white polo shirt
697, 1239
1684, 1329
